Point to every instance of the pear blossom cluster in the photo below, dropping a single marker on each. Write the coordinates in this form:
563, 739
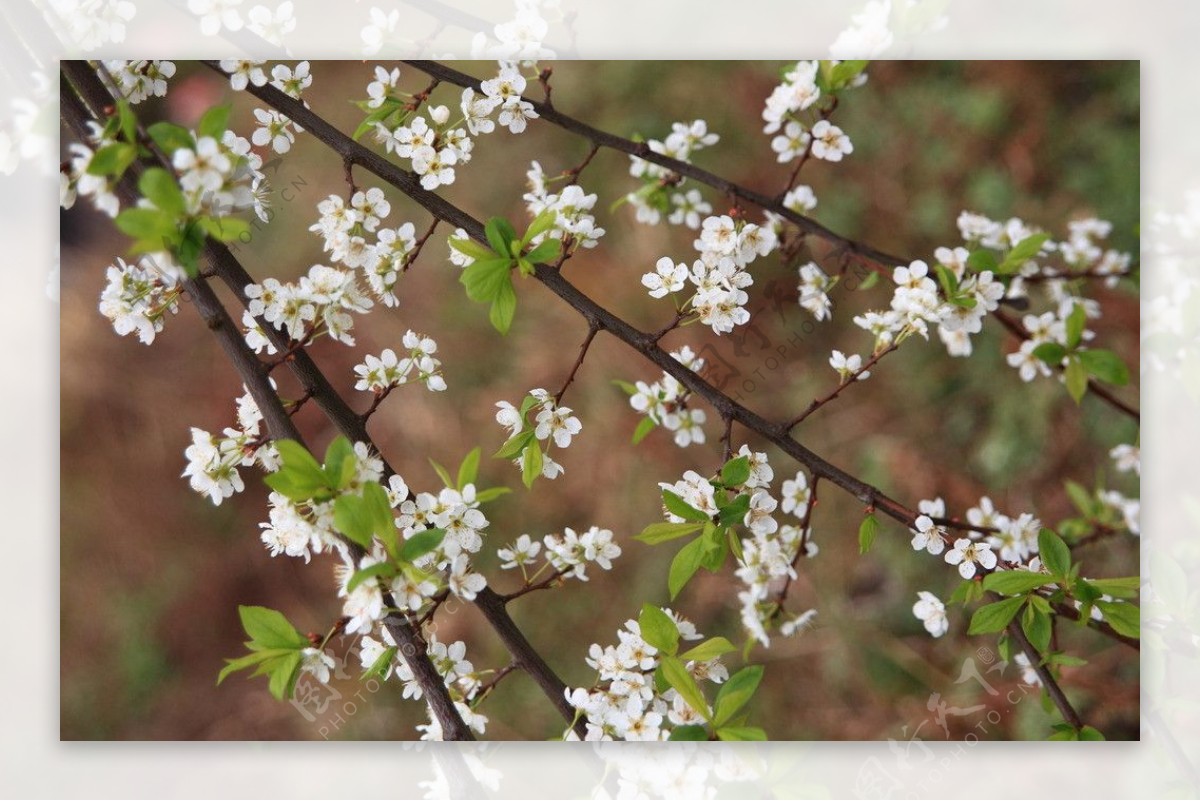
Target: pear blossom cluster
574, 222
521, 38
220, 177
213, 461
568, 554
138, 80
665, 402
272, 127
433, 143
783, 116
662, 190
77, 181
552, 424
449, 659
137, 297
719, 277
319, 303
624, 704
381, 373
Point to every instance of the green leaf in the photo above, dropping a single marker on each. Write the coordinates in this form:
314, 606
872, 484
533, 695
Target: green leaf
491, 494
249, 660
468, 471
545, 253
736, 472
1022, 252
716, 548
1075, 323
379, 512
1015, 582
1036, 625
300, 477
352, 518
159, 187
947, 280
214, 122
531, 464
981, 260
709, 649
1105, 365
663, 532
966, 592
284, 675
680, 508
421, 543
152, 224
540, 225
1077, 380
504, 306
684, 566
658, 629
170, 137
626, 387
1056, 556
1083, 499
127, 120
844, 73
1051, 353
225, 228
871, 280
500, 236
644, 427
112, 160
270, 629
735, 693
1124, 617
734, 734
380, 666
1090, 734
688, 734
341, 464
484, 278
994, 617
735, 511
514, 445
387, 108
380, 570
1118, 587
471, 248
442, 473
867, 530
681, 680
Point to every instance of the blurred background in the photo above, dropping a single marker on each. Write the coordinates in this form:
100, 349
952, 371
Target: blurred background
151, 574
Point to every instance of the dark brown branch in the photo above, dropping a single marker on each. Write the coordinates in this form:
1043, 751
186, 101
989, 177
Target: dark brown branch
1048, 681
583, 350
526, 657
850, 379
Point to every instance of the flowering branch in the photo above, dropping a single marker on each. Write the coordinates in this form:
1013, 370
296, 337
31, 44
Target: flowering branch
849, 379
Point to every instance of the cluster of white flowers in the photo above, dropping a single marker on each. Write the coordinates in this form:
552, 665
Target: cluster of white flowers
657, 195
90, 23
219, 177
318, 303
138, 296
932, 612
274, 129
434, 145
572, 208
138, 80
1126, 458
719, 276
343, 229
782, 114
848, 367
568, 554
623, 704
381, 373
213, 461
76, 180
551, 423
665, 402
459, 674
770, 552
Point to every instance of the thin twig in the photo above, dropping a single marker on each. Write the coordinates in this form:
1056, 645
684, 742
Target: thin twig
583, 350
852, 378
